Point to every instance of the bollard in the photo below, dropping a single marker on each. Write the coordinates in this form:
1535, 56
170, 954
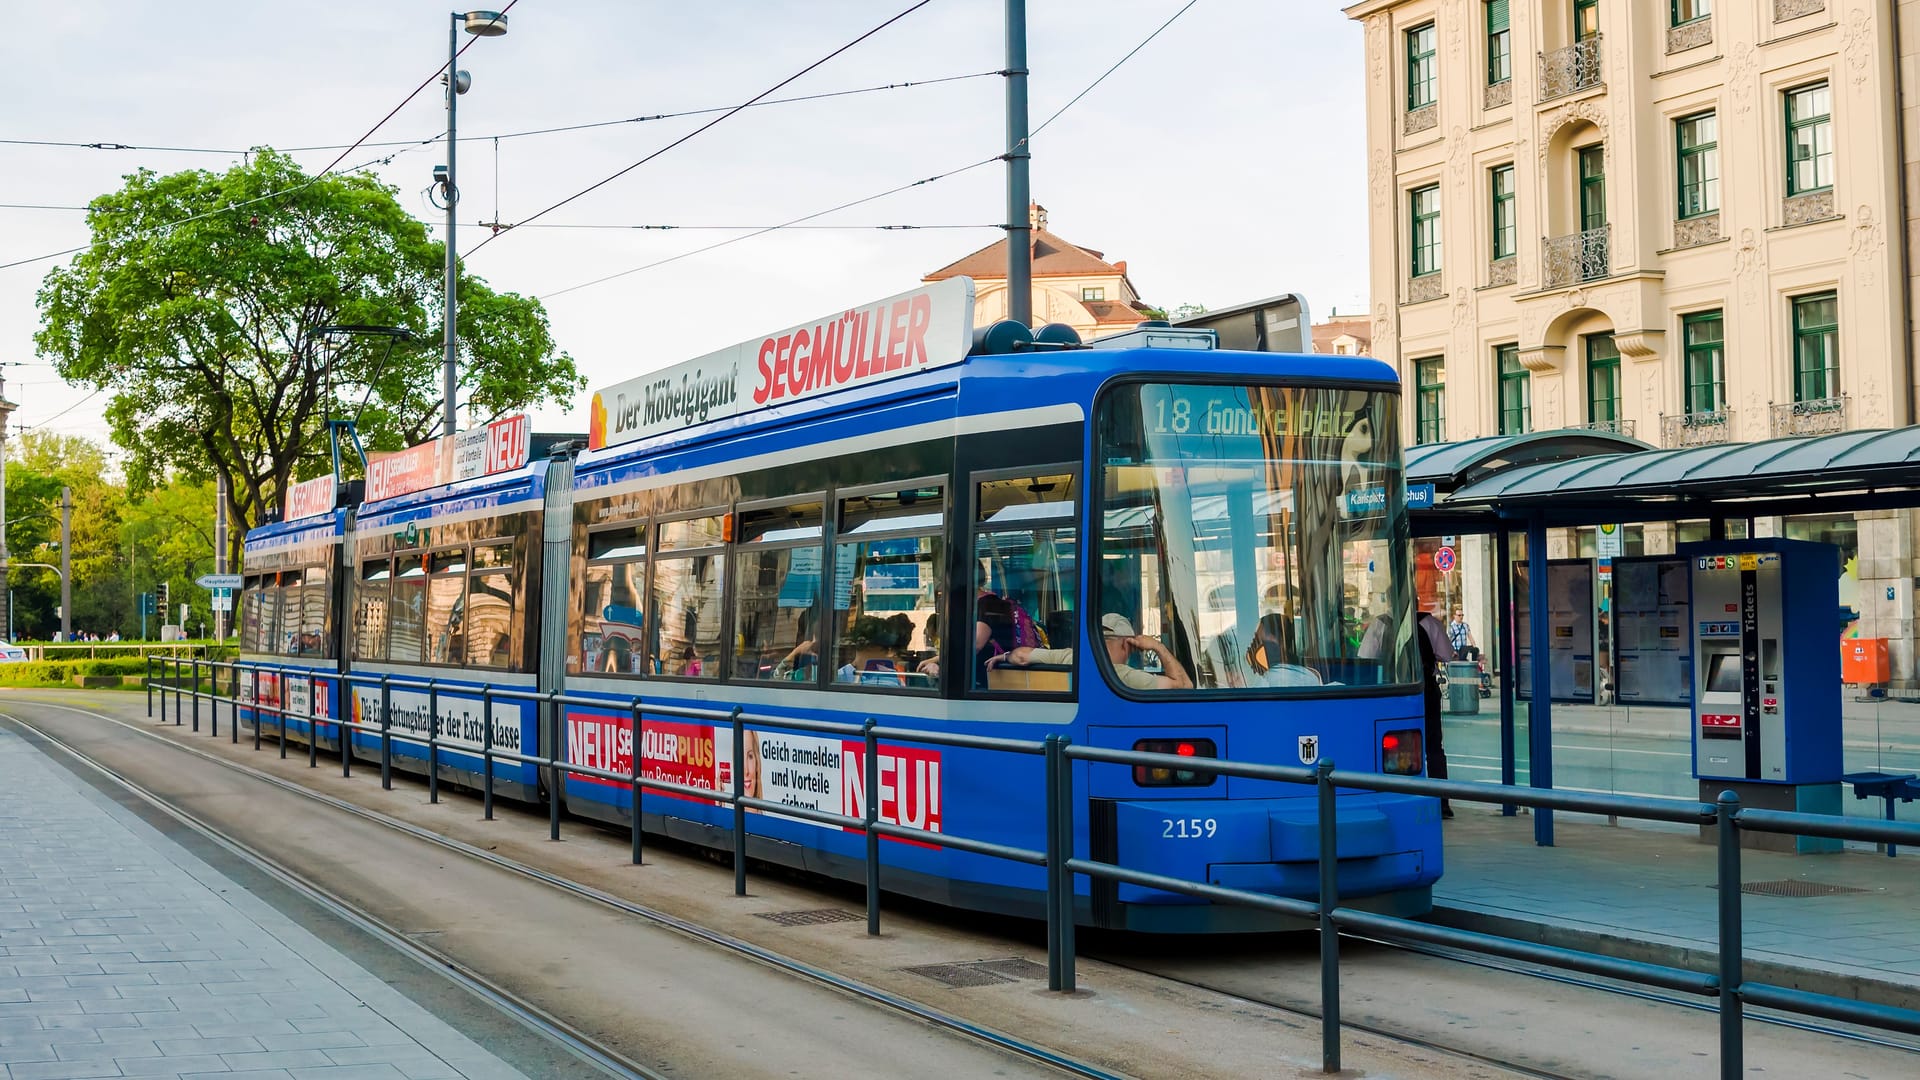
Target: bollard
194, 663
633, 771
1329, 931
253, 702
486, 749
341, 734
873, 838
739, 811
433, 742
386, 732
1732, 1008
149, 681
178, 707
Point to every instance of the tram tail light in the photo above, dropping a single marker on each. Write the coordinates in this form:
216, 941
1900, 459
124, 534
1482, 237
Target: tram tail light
1403, 752
1155, 776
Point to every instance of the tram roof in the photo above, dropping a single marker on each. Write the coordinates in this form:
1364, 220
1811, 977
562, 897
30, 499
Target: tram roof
1848, 471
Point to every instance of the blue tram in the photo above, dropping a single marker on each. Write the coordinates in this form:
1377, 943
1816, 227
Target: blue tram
1165, 547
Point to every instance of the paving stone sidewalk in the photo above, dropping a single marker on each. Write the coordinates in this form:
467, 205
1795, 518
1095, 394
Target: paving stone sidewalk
123, 954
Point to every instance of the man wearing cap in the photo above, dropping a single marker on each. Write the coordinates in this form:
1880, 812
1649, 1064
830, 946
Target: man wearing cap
1121, 644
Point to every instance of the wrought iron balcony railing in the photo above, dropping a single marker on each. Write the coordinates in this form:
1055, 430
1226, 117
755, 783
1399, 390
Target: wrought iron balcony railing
1709, 428
1817, 416
1569, 70
1618, 427
1576, 257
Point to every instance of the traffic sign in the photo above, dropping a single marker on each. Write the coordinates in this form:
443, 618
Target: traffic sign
218, 581
1443, 560
223, 601
1608, 541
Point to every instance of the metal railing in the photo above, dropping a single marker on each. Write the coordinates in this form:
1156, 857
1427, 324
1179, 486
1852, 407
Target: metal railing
1575, 257
1727, 984
1818, 416
1569, 70
1709, 428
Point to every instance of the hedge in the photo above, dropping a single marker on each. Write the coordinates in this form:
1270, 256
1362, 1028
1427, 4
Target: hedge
61, 672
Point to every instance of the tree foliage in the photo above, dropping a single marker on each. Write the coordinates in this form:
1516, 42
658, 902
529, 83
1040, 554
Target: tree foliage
201, 305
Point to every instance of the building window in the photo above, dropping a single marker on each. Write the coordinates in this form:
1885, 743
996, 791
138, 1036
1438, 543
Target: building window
1816, 347
1499, 43
1704, 336
1424, 212
1809, 139
1586, 20
1505, 226
1090, 292
1699, 154
1593, 187
1430, 400
1603, 380
1516, 391
1686, 11
1420, 67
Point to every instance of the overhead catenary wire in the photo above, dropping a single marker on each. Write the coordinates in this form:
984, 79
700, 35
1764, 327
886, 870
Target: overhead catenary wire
440, 137
773, 228
709, 125
310, 181
796, 222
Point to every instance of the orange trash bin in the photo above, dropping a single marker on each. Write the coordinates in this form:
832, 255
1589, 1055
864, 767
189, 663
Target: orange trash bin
1863, 661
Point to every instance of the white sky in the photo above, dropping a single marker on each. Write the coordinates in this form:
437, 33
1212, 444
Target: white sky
1225, 162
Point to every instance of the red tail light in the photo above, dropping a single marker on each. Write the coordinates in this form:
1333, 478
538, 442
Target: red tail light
1403, 752
1153, 776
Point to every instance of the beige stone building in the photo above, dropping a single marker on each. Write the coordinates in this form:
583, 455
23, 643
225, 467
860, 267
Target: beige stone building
1691, 221
1071, 284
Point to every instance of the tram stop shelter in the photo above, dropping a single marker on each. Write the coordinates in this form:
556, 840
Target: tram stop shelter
1580, 477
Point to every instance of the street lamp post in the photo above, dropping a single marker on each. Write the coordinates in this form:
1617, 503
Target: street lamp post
479, 24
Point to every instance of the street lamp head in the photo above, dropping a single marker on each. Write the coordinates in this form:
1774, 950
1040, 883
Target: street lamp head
485, 23
462, 82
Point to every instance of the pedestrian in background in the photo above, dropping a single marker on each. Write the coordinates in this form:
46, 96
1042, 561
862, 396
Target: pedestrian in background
1435, 650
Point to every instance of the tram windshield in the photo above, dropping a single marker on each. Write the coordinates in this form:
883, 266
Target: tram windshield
1255, 536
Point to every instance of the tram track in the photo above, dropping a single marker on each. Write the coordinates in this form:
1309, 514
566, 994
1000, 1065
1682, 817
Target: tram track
1356, 1019
587, 1048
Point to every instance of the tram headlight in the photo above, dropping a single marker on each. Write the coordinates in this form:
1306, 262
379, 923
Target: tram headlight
1403, 752
1155, 776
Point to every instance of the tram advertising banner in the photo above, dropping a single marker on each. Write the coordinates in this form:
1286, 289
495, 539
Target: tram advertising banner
293, 694
462, 719
807, 771
929, 327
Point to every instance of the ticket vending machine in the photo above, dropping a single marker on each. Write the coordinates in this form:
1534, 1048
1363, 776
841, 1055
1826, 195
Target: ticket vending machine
1766, 678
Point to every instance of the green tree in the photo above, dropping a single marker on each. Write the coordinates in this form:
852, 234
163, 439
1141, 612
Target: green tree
201, 305
38, 468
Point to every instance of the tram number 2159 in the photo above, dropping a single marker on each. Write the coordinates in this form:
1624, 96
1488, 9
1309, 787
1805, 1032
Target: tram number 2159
1192, 828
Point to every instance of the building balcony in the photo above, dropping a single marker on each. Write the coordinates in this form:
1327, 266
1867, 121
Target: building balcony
1616, 427
1696, 429
1497, 94
1818, 416
1793, 9
1570, 70
1574, 258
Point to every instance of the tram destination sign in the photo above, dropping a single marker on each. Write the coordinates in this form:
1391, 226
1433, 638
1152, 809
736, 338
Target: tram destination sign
929, 327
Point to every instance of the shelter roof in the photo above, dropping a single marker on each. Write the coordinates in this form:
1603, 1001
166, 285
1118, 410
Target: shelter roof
1851, 470
1447, 466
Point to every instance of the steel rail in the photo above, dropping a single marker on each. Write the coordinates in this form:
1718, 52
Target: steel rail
851, 987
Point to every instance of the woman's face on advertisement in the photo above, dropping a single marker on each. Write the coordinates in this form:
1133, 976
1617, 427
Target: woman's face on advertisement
750, 768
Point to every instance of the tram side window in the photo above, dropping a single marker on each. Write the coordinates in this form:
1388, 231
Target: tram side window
687, 600
490, 608
306, 615
612, 634
370, 610
446, 627
406, 615
1026, 583
777, 593
888, 587
252, 607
